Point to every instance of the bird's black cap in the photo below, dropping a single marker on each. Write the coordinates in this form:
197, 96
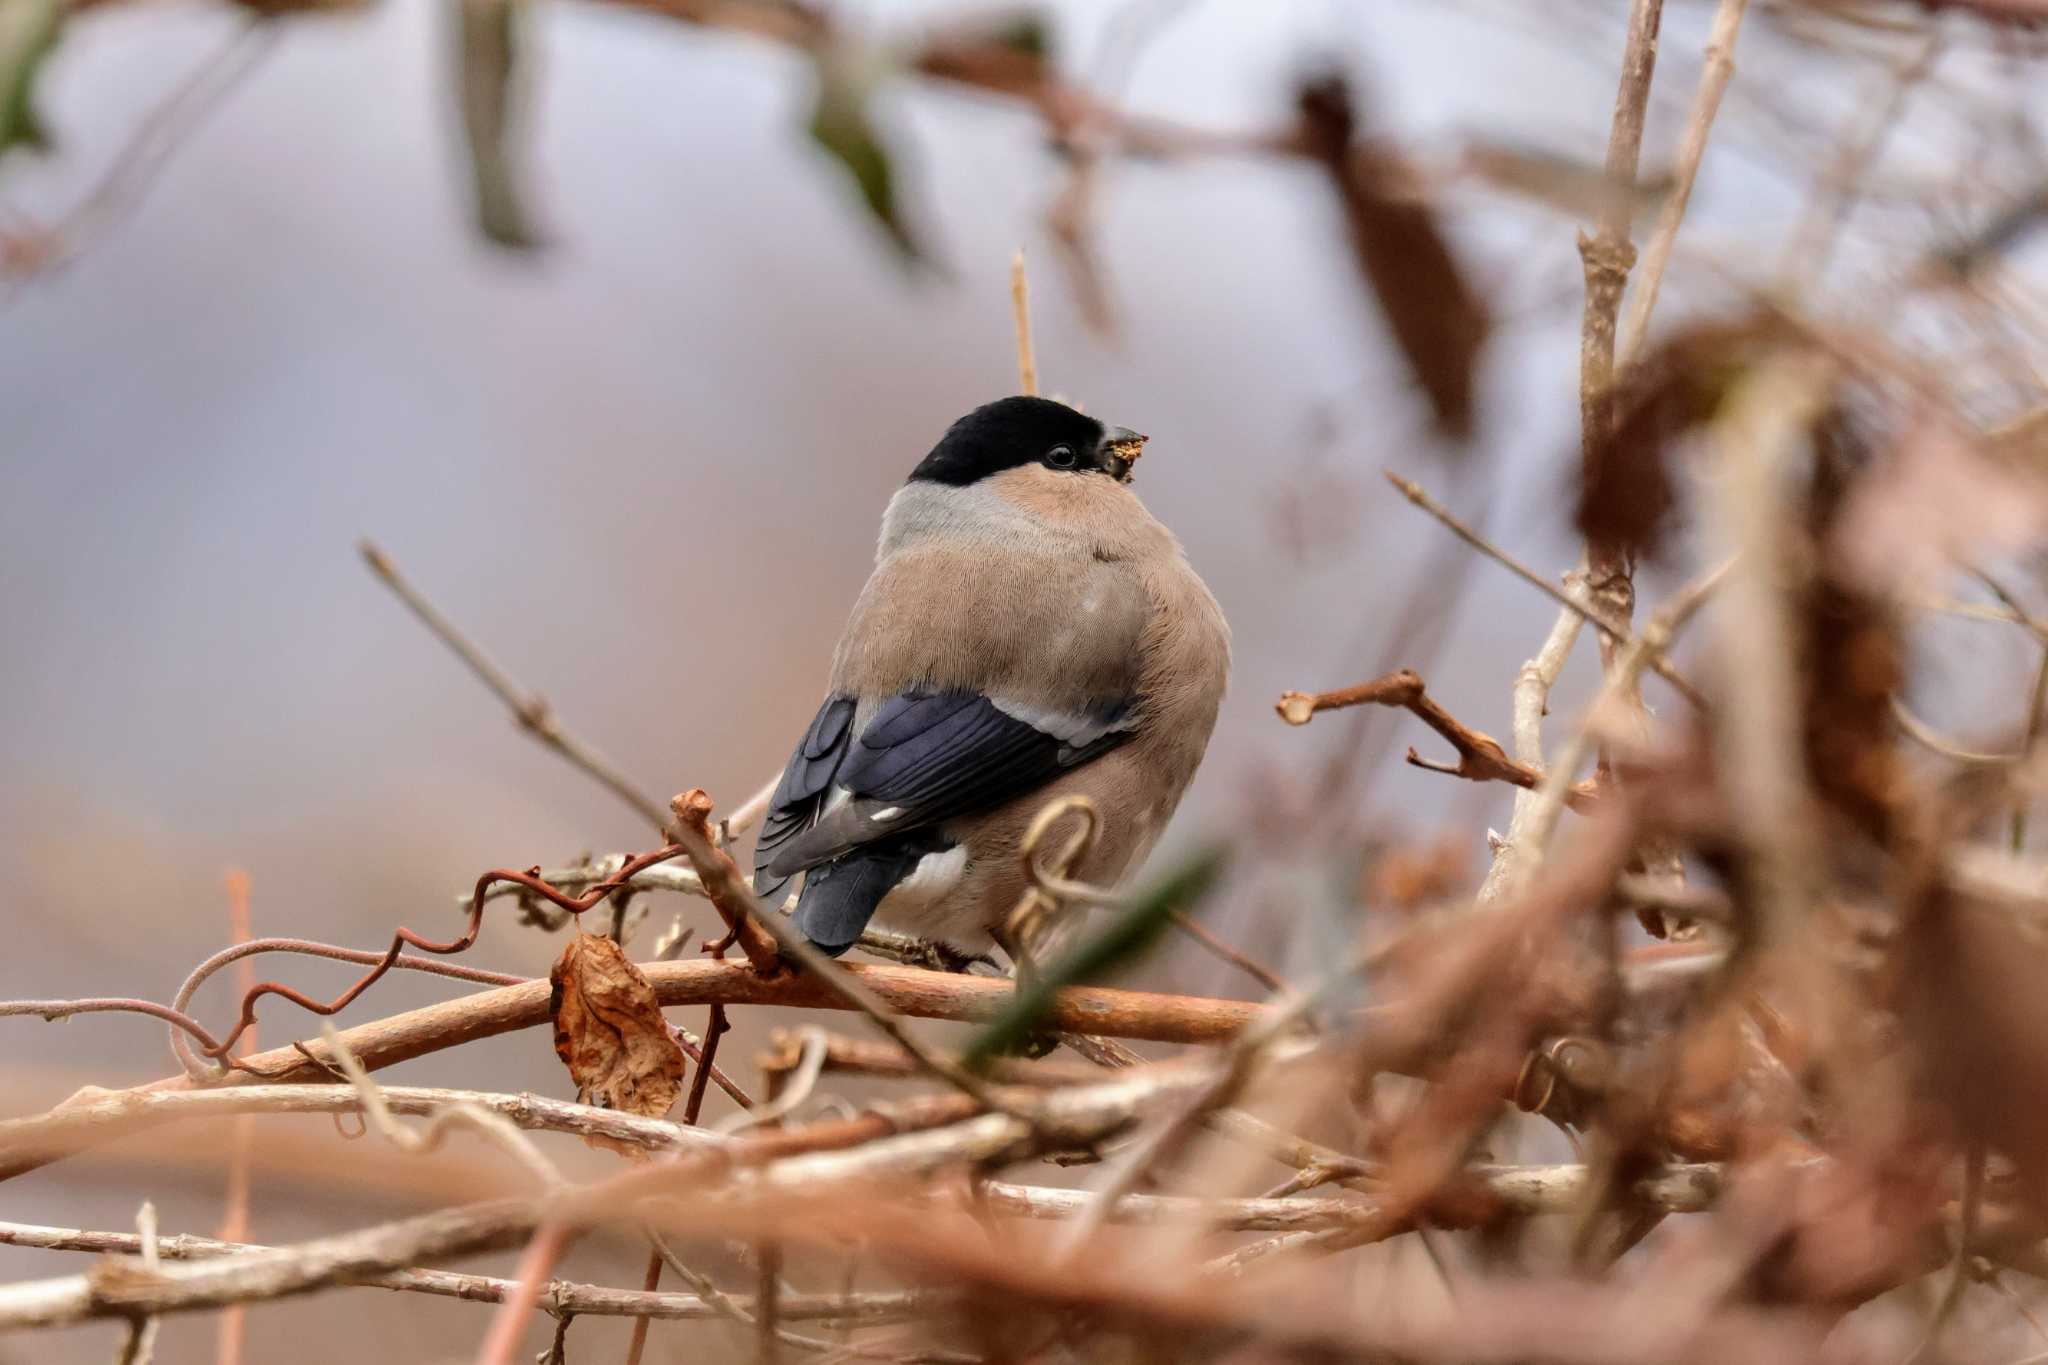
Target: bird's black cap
1012, 432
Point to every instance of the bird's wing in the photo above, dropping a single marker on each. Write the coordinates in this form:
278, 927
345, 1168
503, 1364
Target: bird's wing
801, 794
981, 672
925, 757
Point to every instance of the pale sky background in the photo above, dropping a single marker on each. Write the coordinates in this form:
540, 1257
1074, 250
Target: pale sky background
644, 469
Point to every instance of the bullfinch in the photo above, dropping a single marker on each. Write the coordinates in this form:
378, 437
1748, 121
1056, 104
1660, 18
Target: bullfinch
1029, 631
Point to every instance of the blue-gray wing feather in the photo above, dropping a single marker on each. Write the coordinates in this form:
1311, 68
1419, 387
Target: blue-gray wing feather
801, 794
925, 757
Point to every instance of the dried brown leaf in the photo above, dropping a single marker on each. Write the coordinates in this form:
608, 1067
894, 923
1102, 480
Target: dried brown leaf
610, 1033
1437, 319
1855, 666
1627, 486
1973, 1005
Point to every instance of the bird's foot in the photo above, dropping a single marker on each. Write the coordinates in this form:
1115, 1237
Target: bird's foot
935, 956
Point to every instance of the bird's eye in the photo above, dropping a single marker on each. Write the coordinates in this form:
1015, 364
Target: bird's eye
1060, 457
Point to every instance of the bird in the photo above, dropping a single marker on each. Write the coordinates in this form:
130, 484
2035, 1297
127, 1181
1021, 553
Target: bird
1029, 632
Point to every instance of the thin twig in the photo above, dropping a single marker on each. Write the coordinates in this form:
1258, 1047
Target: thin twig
1607, 256
1480, 757
745, 1312
1657, 634
1927, 737
707, 1062
492, 1126
650, 1281
1243, 1060
1706, 102
87, 1121
1020, 307
1531, 700
559, 1296
1519, 1189
285, 1271
1959, 1268
1978, 611
791, 1182
716, 1028
453, 970
50, 1011
744, 818
149, 149
536, 1268
140, 1345
530, 709
400, 939
789, 1087
749, 924
1237, 958
1806, 255
922, 994
182, 1001
869, 1058
1614, 628
232, 1329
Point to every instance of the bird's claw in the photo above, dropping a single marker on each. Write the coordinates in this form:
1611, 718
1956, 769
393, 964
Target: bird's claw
934, 956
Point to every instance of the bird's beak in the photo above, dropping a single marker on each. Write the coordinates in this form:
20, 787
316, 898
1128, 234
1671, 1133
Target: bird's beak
1120, 448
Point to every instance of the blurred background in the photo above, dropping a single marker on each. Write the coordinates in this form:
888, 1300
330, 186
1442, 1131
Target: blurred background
642, 459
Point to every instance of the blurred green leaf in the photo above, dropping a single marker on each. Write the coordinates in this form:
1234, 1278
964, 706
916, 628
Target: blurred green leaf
490, 53
28, 31
841, 125
1129, 937
1025, 33
1008, 52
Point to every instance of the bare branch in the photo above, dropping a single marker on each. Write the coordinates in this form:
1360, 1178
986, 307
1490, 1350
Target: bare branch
1628, 665
1607, 256
1714, 76
1480, 757
530, 709
270, 1274
559, 1296
1531, 702
93, 1117
1615, 628
1020, 307
919, 994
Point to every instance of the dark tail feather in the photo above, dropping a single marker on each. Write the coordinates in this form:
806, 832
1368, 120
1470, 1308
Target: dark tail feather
839, 897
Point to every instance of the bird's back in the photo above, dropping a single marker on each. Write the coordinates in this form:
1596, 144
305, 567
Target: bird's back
1058, 604
966, 593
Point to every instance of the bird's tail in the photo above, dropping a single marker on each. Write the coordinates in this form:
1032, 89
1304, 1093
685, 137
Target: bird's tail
840, 897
